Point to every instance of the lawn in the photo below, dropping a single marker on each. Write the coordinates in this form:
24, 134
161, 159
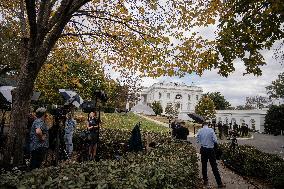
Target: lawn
123, 122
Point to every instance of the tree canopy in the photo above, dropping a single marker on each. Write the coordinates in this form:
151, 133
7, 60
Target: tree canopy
219, 101
274, 120
246, 28
258, 102
205, 107
276, 89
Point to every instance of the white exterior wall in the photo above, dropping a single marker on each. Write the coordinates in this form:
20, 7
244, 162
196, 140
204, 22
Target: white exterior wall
152, 94
243, 116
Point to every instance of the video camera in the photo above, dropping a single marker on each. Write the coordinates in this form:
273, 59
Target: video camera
60, 112
101, 95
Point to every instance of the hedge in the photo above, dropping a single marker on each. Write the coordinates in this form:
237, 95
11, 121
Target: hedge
249, 161
170, 165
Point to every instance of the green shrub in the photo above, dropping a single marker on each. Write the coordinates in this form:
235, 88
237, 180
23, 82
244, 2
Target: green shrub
114, 141
157, 108
249, 161
169, 165
109, 109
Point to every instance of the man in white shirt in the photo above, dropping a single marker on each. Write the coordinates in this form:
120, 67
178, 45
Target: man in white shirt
206, 137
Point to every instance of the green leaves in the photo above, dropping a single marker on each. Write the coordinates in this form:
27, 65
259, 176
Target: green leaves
276, 89
205, 107
274, 119
249, 161
246, 28
157, 108
219, 101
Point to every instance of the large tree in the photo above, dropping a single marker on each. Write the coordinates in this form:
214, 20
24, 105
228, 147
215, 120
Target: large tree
276, 89
219, 101
122, 33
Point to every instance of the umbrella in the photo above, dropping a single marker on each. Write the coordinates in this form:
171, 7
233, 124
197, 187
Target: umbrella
71, 97
197, 118
6, 92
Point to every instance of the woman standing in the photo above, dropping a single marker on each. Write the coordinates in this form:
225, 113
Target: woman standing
93, 127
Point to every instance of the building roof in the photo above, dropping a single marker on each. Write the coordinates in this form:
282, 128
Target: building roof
172, 85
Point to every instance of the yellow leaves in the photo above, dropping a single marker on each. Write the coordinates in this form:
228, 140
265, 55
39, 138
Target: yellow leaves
171, 72
48, 66
65, 68
210, 21
198, 46
123, 10
76, 81
141, 10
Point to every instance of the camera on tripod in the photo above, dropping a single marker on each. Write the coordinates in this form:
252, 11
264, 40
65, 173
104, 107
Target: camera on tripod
101, 95
90, 106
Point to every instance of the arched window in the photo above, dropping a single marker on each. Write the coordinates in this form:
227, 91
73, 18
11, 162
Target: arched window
160, 95
178, 96
188, 97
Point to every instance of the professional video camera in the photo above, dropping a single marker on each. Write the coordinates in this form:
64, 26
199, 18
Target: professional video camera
90, 106
56, 133
101, 95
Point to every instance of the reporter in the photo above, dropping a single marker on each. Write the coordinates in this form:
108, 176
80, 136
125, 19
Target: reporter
39, 139
93, 127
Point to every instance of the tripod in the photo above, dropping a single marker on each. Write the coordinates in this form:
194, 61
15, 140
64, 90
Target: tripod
56, 138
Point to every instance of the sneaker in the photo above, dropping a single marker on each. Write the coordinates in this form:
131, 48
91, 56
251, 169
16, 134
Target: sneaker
221, 186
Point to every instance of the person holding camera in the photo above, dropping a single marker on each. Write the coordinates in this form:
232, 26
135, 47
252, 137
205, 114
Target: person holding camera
70, 125
93, 127
39, 139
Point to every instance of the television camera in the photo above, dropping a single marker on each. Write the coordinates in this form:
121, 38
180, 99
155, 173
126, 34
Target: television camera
56, 132
90, 106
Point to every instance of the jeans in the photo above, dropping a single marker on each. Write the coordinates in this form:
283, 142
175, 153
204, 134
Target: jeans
209, 154
69, 143
37, 157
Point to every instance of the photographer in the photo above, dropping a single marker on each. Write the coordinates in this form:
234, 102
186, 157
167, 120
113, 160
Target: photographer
39, 139
70, 125
93, 127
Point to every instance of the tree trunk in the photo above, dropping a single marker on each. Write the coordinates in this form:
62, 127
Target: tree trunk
19, 114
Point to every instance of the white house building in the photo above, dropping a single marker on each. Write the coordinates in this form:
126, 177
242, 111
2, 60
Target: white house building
253, 118
179, 95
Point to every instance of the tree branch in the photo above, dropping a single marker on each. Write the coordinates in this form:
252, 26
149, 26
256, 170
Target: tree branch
31, 11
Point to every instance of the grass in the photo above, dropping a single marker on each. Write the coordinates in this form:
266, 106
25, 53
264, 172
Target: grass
123, 122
